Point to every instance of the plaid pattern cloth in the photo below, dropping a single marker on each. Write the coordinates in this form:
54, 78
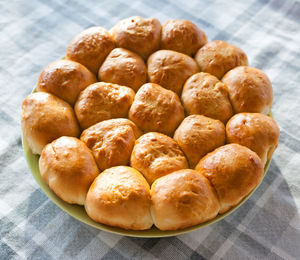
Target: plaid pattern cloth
35, 33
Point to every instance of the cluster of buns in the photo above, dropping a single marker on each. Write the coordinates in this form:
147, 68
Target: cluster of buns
149, 124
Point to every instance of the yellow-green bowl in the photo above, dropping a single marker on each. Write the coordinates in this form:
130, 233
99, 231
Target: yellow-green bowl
79, 213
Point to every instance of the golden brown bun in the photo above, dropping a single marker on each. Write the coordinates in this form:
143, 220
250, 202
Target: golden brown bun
156, 155
125, 68
137, 34
256, 131
234, 171
111, 141
218, 57
65, 79
156, 109
182, 36
44, 118
69, 168
120, 197
198, 135
204, 94
250, 90
181, 199
90, 48
101, 101
170, 69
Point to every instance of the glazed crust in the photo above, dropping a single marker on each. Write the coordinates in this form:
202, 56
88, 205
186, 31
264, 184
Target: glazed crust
137, 34
120, 197
218, 57
69, 168
44, 118
204, 94
256, 131
170, 69
65, 79
182, 36
181, 199
111, 141
101, 101
250, 90
125, 68
156, 155
90, 48
234, 171
156, 109
198, 135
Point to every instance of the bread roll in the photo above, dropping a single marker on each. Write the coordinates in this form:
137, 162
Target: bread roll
44, 118
156, 109
137, 34
234, 171
65, 79
181, 199
120, 197
69, 168
204, 94
182, 36
156, 155
101, 101
198, 135
256, 131
111, 141
218, 57
250, 90
125, 68
90, 48
170, 69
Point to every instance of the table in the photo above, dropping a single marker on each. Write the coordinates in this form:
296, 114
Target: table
35, 33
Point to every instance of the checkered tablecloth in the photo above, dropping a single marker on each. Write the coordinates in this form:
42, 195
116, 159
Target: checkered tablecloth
267, 226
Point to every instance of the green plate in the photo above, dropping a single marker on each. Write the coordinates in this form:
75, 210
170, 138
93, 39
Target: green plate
79, 213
